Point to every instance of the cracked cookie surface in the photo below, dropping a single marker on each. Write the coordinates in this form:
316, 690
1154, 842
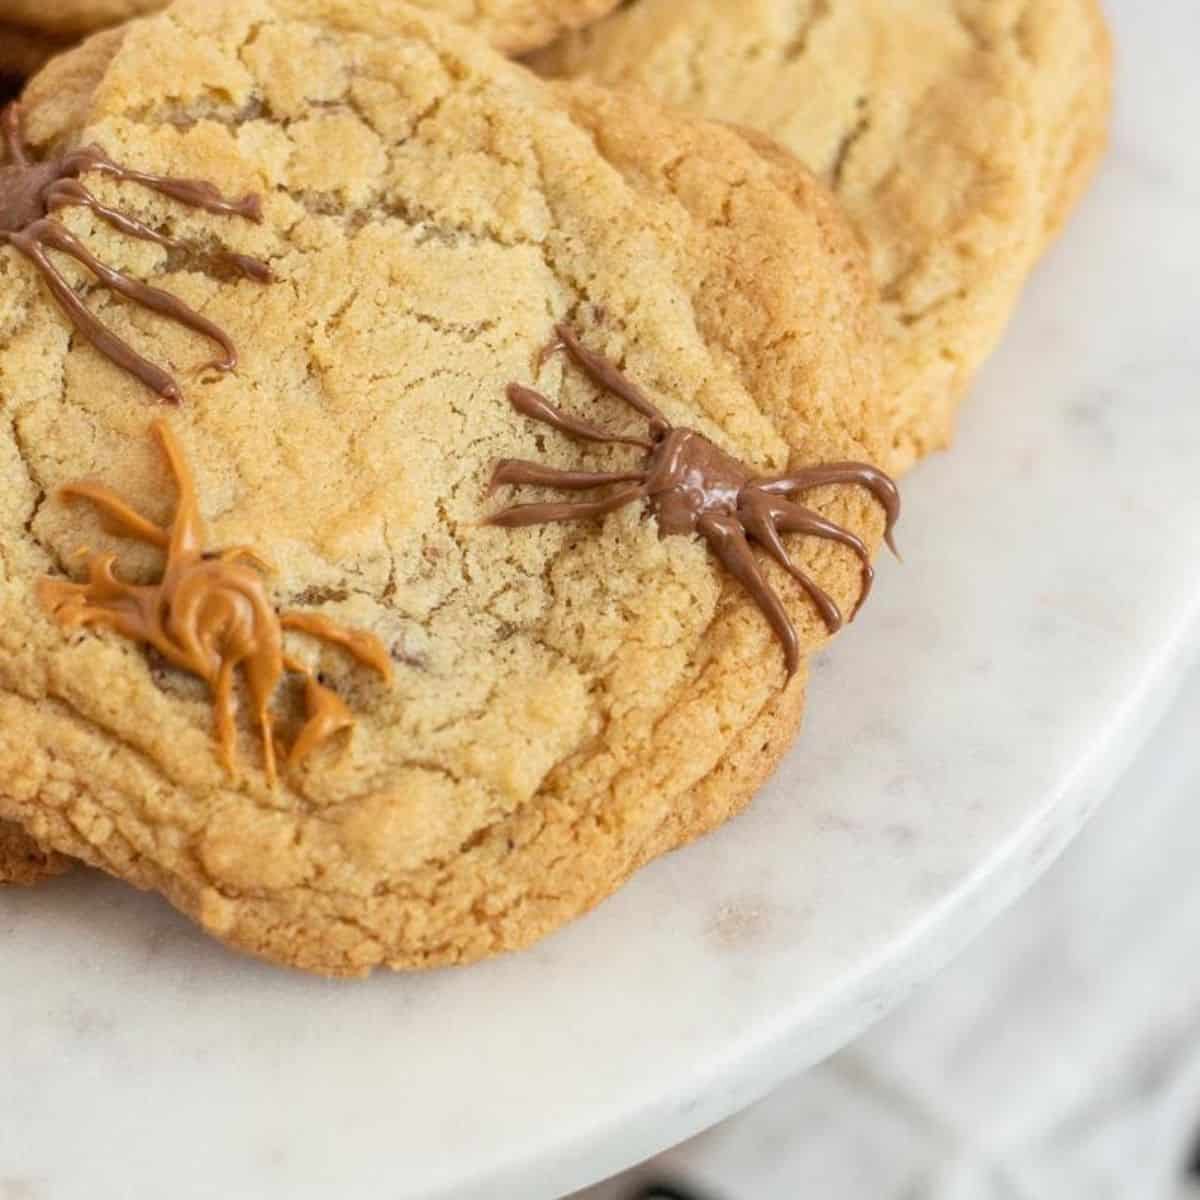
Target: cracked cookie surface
958, 134
514, 26
569, 701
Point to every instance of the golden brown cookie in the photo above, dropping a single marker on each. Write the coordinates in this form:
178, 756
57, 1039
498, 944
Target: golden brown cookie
22, 861
23, 51
515, 26
73, 17
569, 699
958, 134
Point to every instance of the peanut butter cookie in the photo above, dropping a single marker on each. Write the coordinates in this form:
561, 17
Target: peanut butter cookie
514, 26
491, 295
23, 51
958, 134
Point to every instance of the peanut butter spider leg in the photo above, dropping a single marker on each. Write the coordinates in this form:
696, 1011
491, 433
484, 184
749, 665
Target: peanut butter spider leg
248, 554
187, 529
728, 542
360, 645
45, 234
223, 710
328, 714
72, 608
104, 600
116, 516
262, 675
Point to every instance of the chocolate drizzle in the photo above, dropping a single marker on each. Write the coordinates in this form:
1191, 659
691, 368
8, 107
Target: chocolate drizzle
30, 192
695, 487
210, 615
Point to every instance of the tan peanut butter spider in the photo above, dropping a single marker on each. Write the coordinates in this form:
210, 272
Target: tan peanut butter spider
31, 192
695, 487
210, 615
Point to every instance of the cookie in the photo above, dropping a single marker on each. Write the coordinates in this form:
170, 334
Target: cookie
23, 51
515, 26
22, 861
958, 135
568, 699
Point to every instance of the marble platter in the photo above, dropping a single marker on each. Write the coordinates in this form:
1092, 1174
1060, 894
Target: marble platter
1048, 606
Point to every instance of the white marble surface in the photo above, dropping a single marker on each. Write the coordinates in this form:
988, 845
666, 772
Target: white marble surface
1058, 1058
1001, 678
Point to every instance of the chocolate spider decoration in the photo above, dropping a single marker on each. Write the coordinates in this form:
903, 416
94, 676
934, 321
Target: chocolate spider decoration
693, 486
210, 615
30, 192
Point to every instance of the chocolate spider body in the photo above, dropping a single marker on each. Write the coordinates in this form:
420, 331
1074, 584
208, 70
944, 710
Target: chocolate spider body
31, 192
695, 487
210, 616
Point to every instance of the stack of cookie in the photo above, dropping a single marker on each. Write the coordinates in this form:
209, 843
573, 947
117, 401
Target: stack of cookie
426, 473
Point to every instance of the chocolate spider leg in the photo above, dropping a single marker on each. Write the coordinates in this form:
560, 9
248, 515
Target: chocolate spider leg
195, 193
880, 485
14, 136
728, 542
70, 193
521, 515
116, 516
105, 342
760, 525
535, 406
65, 193
607, 375
788, 516
518, 473
44, 234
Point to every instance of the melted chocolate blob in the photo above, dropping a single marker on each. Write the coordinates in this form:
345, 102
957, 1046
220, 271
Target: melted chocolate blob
210, 615
30, 192
695, 487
